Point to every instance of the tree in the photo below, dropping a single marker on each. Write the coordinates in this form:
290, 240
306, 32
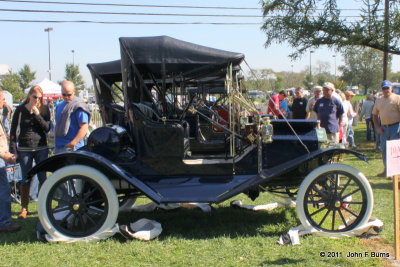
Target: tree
10, 83
72, 73
306, 24
26, 76
308, 81
362, 67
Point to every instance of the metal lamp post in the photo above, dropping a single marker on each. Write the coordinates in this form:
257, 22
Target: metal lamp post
48, 30
334, 56
73, 57
311, 51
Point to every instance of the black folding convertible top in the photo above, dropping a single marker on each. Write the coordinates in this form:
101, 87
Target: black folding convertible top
109, 71
165, 54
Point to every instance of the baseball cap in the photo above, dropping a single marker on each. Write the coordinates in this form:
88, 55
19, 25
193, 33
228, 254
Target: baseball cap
317, 88
329, 85
386, 83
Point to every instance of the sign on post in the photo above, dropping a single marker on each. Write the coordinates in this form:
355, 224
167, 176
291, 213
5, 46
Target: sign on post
393, 169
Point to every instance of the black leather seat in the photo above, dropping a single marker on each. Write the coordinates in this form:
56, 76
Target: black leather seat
155, 138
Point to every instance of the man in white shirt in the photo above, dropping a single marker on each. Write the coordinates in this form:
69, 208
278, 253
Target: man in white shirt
311, 115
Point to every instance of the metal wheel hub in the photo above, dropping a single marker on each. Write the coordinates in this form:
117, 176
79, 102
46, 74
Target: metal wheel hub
78, 204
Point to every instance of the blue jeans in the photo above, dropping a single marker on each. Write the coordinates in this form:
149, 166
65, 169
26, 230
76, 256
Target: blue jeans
5, 197
370, 126
378, 139
26, 158
389, 133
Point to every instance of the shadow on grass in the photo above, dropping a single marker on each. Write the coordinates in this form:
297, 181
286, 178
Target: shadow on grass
222, 221
282, 261
386, 186
26, 235
188, 224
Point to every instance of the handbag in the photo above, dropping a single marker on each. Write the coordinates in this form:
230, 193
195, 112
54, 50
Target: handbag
13, 173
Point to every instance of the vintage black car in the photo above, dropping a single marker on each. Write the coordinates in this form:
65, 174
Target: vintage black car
165, 138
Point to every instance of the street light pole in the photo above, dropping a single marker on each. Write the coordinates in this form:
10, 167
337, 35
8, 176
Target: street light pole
311, 51
334, 56
73, 58
48, 30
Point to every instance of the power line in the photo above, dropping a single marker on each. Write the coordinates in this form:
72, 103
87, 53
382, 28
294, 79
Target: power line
127, 5
128, 13
129, 22
151, 14
151, 6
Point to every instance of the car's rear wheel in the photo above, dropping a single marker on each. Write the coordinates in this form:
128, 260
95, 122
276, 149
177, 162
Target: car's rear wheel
77, 202
334, 198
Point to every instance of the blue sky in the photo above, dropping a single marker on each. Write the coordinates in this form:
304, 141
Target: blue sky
26, 43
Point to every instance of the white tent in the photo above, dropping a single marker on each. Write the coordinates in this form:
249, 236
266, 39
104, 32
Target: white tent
48, 87
9, 98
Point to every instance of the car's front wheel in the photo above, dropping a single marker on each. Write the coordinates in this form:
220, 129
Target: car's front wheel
77, 202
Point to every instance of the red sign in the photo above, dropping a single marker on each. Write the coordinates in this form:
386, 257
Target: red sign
393, 157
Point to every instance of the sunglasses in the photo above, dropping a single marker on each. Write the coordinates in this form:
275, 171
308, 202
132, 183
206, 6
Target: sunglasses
66, 94
36, 97
385, 88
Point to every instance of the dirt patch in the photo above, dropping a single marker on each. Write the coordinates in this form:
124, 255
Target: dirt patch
378, 244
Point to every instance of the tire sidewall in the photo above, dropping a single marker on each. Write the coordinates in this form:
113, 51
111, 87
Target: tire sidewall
328, 168
80, 170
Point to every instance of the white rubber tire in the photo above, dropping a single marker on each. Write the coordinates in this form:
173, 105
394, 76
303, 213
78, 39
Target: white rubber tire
81, 170
329, 168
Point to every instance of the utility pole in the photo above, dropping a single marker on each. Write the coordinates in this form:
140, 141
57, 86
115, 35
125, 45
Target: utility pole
311, 51
386, 41
48, 30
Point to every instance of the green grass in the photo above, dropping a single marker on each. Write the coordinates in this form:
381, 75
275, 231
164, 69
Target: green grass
224, 237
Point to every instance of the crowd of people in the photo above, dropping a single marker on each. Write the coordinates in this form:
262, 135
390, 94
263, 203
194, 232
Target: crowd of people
27, 140
336, 113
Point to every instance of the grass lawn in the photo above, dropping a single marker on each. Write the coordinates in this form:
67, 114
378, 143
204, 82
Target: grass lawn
224, 237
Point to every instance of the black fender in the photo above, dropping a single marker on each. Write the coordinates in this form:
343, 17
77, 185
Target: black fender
266, 175
320, 153
81, 157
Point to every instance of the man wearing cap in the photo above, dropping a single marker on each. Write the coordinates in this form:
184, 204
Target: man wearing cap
387, 109
329, 111
311, 115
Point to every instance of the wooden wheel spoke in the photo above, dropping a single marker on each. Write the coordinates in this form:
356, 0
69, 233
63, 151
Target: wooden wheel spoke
101, 200
345, 186
320, 192
333, 220
317, 211
323, 219
60, 209
349, 211
89, 218
342, 217
97, 211
352, 193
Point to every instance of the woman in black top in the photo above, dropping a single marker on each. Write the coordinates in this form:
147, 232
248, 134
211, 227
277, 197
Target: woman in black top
30, 123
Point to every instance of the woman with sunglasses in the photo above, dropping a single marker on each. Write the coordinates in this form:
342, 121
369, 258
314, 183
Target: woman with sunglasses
29, 126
